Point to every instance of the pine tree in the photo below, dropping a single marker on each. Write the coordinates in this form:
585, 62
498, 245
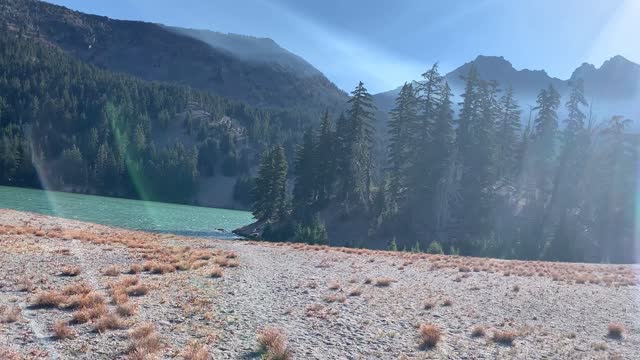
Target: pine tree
401, 155
305, 188
269, 193
357, 175
326, 161
507, 137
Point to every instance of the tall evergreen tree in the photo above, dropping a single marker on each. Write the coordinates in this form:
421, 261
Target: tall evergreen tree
401, 132
305, 187
269, 193
326, 156
356, 176
507, 136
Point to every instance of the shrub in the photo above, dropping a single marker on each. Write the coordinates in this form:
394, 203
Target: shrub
355, 292
447, 302
429, 335
615, 330
61, 330
477, 331
137, 290
314, 233
273, 344
49, 299
10, 315
126, 309
111, 271
196, 352
429, 304
109, 322
435, 248
384, 281
70, 271
216, 272
135, 269
144, 341
504, 337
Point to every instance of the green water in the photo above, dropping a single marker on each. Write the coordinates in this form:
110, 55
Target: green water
131, 214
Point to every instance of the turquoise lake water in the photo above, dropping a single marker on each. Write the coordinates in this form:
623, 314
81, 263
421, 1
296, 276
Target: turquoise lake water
126, 213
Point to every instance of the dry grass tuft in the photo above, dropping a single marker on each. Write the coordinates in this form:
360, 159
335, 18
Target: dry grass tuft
62, 330
8, 354
216, 272
144, 341
109, 322
430, 335
384, 281
10, 315
334, 285
615, 330
194, 351
49, 299
135, 269
335, 298
273, 344
355, 292
162, 269
478, 331
505, 337
127, 309
429, 304
447, 302
70, 270
25, 285
137, 290
111, 271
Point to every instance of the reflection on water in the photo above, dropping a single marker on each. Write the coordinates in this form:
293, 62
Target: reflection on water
132, 214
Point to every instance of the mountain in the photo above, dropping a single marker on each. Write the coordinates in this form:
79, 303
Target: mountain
613, 88
253, 70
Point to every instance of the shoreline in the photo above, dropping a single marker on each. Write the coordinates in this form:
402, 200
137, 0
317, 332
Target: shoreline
330, 302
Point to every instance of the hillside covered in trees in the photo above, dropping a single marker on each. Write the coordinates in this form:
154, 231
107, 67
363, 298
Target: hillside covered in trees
68, 125
475, 183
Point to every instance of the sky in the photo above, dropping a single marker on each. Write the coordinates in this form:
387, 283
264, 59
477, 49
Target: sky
385, 43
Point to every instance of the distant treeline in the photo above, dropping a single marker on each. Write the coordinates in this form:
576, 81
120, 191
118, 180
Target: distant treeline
478, 183
68, 125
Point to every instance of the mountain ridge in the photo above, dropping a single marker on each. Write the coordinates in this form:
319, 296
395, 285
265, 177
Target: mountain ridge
614, 83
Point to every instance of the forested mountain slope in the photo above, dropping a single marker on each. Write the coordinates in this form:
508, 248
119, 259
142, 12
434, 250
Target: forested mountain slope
68, 125
252, 70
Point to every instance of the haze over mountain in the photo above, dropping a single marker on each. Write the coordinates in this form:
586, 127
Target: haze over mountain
612, 89
252, 70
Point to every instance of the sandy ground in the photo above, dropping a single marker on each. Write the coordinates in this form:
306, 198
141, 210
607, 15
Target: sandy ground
329, 303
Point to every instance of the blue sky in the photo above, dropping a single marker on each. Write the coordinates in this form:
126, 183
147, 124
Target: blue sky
385, 43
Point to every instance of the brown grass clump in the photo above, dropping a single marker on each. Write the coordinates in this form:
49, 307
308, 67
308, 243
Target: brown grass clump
49, 299
10, 315
477, 331
25, 285
355, 292
162, 269
109, 322
430, 335
615, 330
504, 337
384, 281
76, 288
137, 290
144, 341
273, 344
335, 298
447, 302
126, 309
194, 351
62, 330
70, 270
135, 269
216, 272
429, 304
111, 271
334, 285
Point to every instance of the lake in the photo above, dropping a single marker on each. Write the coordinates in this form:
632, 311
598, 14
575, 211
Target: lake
126, 213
